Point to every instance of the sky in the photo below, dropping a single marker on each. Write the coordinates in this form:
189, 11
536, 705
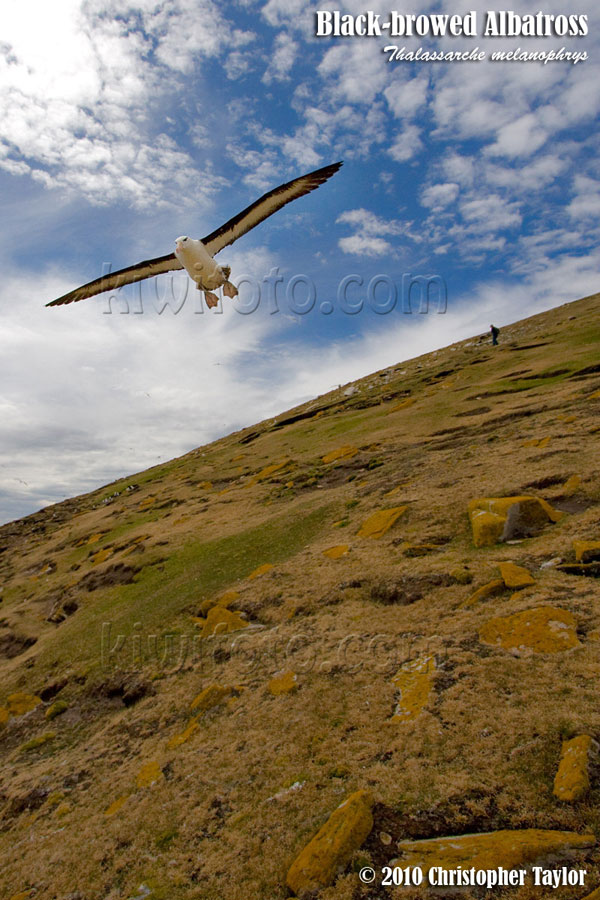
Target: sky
126, 124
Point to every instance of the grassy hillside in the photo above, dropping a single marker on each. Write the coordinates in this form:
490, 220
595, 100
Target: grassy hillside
340, 652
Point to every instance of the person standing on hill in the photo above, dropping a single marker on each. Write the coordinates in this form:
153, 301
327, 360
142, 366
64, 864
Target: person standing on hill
494, 332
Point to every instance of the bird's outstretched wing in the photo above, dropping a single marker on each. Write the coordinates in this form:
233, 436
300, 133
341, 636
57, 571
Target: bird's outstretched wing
265, 207
115, 280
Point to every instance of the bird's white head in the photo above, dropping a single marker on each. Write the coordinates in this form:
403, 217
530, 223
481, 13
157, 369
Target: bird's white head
180, 242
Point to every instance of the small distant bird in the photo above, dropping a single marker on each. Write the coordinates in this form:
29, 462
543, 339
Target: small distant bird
196, 256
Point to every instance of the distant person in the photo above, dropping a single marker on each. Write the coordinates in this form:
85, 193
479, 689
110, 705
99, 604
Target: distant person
494, 332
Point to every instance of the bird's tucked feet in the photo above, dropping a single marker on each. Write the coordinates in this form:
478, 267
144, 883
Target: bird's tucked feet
211, 299
230, 290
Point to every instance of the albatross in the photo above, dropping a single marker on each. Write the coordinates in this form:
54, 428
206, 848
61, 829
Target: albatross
196, 256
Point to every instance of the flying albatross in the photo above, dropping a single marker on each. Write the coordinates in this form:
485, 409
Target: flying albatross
196, 256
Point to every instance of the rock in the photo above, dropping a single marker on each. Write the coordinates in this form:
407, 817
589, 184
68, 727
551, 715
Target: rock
571, 485
545, 629
224, 600
495, 519
150, 773
268, 471
509, 849
20, 703
116, 805
211, 696
572, 781
331, 849
336, 552
346, 452
222, 621
283, 683
487, 590
38, 741
22, 895
261, 570
101, 555
412, 550
586, 551
56, 709
594, 396
178, 739
415, 683
461, 575
380, 522
595, 895
404, 404
4, 715
515, 577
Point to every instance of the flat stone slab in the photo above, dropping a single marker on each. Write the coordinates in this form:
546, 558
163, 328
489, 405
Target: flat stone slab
414, 681
545, 629
332, 847
491, 589
586, 551
515, 577
510, 849
380, 522
346, 452
283, 683
336, 552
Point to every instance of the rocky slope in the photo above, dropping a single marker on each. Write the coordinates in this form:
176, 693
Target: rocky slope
321, 644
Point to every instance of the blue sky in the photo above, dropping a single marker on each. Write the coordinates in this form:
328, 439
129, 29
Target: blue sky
124, 125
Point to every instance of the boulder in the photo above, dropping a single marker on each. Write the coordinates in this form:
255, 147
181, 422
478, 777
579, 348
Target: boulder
283, 683
495, 519
545, 629
487, 590
572, 781
586, 551
380, 522
346, 452
332, 847
515, 577
414, 681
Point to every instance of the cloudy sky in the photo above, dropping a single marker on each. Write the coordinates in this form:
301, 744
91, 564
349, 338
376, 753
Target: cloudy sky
126, 124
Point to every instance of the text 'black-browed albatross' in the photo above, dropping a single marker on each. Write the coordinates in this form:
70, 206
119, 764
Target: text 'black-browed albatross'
196, 256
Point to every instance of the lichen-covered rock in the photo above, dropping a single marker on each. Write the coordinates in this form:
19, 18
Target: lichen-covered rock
595, 895
571, 485
4, 715
380, 522
38, 741
56, 709
211, 696
572, 781
261, 570
486, 590
510, 849
545, 629
273, 469
586, 551
224, 600
178, 739
461, 575
220, 620
495, 519
116, 805
404, 404
346, 452
20, 703
336, 552
331, 849
283, 683
414, 681
515, 577
150, 773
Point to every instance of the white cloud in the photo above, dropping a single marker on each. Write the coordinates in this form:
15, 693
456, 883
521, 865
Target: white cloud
438, 195
406, 98
285, 50
406, 144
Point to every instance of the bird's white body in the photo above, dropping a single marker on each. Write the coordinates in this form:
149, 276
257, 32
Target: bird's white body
199, 264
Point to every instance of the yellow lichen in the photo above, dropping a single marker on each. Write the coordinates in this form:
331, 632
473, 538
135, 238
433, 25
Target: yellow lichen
336, 552
545, 629
268, 471
178, 739
404, 404
150, 773
380, 522
515, 577
100, 555
211, 696
509, 849
346, 452
20, 703
495, 518
487, 590
283, 683
415, 682
220, 620
571, 485
332, 847
586, 551
261, 570
572, 781
116, 805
